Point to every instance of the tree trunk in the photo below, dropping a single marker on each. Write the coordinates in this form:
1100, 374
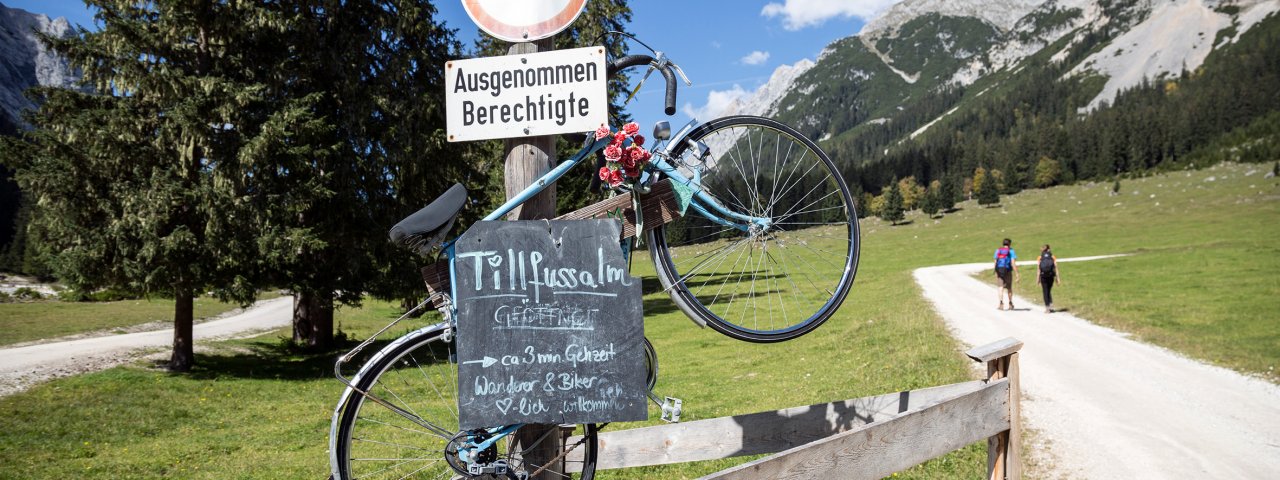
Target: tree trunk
184, 356
313, 319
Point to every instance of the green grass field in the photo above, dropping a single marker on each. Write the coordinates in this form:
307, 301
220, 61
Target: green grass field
1200, 282
24, 322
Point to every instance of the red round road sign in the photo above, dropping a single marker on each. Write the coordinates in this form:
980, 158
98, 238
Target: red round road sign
523, 20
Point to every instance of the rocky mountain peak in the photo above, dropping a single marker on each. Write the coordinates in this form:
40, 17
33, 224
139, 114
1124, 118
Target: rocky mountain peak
25, 62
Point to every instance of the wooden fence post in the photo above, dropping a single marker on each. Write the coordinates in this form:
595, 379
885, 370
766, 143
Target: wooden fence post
527, 159
1004, 450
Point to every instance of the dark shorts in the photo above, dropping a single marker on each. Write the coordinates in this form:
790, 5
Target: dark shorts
1006, 277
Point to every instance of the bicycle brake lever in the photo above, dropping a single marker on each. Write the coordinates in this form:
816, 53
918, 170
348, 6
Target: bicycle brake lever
680, 71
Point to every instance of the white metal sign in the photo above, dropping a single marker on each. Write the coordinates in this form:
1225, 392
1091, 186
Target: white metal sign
561, 91
523, 20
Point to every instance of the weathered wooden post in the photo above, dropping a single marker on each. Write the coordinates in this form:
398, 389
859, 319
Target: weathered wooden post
527, 159
529, 153
1004, 450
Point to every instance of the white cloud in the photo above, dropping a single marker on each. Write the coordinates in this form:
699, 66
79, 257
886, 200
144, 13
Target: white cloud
755, 58
717, 101
798, 14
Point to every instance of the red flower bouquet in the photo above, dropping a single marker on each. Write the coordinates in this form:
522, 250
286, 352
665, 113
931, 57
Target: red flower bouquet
625, 157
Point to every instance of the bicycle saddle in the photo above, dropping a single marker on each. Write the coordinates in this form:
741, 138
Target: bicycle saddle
424, 230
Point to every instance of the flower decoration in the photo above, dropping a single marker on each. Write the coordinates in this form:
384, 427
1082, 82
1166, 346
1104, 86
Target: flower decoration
625, 157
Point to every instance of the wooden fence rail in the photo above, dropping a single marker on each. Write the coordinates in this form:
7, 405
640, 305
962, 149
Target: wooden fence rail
864, 438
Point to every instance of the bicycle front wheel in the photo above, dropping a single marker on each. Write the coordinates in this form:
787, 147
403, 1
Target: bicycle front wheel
405, 424
775, 278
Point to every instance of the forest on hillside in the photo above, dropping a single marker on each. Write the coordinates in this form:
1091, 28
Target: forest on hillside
1227, 109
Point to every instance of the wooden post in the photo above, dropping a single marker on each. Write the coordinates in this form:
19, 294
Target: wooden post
1004, 450
527, 159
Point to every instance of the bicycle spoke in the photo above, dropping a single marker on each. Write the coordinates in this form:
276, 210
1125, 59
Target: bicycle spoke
767, 289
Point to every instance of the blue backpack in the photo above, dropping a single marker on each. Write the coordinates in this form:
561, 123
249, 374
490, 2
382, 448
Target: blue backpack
1003, 257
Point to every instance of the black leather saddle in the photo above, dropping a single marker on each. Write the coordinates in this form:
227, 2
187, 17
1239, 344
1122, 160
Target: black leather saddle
426, 228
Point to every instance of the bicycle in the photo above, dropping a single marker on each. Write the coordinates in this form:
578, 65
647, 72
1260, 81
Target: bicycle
772, 233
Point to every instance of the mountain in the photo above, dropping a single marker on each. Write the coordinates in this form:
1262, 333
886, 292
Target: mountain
25, 62
938, 87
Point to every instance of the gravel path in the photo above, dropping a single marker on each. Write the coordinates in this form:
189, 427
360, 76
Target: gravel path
1111, 407
24, 366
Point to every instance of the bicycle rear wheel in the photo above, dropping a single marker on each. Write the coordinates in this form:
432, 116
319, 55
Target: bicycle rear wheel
773, 281
411, 429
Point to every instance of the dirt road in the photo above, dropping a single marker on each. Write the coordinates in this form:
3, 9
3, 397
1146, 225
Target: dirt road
21, 367
1110, 407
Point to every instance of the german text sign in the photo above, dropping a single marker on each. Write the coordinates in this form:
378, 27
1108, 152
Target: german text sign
548, 93
550, 325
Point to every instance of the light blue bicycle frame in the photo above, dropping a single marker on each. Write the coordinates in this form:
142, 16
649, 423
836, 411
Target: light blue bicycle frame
701, 202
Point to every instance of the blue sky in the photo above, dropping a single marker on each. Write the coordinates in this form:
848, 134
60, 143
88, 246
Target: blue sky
727, 47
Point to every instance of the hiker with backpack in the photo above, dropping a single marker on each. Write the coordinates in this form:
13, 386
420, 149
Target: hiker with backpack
1006, 270
1047, 275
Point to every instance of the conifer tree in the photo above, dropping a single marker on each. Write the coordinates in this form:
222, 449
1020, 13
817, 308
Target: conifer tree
236, 145
949, 194
930, 204
893, 211
989, 194
140, 186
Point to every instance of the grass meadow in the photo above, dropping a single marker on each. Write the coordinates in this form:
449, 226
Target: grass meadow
1201, 281
25, 322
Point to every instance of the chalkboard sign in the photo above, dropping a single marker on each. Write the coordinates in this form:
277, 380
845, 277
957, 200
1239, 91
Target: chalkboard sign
550, 325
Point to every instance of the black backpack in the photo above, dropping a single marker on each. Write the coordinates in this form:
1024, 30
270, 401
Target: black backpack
1046, 264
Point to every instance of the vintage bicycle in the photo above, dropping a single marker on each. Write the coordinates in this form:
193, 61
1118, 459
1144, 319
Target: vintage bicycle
766, 251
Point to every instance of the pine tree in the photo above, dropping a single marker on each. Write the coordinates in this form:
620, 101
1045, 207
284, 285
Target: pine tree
893, 211
233, 146
139, 187
930, 204
989, 195
949, 193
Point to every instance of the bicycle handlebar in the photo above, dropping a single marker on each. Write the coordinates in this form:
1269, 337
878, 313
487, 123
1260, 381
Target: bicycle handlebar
638, 60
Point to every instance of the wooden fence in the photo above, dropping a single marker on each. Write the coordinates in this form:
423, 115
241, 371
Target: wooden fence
864, 438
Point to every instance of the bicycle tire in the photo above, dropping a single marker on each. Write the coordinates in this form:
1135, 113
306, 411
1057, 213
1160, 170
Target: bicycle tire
814, 224
372, 441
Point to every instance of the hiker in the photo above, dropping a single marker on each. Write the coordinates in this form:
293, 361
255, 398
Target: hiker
1047, 275
1006, 271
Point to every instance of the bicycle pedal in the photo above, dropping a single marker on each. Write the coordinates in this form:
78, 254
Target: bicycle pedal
671, 409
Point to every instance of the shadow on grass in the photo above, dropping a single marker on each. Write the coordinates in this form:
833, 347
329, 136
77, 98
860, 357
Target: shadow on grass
280, 359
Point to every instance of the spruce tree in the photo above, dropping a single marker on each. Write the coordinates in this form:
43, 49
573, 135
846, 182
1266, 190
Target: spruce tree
893, 211
989, 194
930, 204
234, 146
949, 194
139, 187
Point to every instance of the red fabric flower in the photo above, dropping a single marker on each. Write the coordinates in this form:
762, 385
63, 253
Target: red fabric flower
612, 152
603, 131
626, 161
615, 178
632, 172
